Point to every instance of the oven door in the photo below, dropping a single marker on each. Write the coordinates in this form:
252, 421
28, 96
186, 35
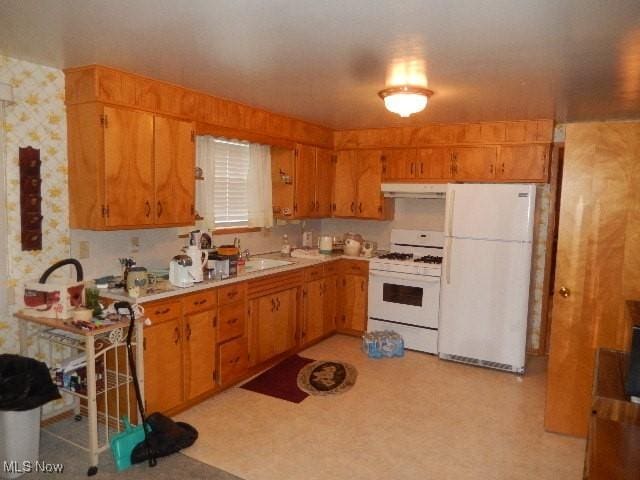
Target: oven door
404, 298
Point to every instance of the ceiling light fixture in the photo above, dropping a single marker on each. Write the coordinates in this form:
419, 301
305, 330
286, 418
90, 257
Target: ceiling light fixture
405, 100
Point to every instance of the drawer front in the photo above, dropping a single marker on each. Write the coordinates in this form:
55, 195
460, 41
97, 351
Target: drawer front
232, 293
233, 360
231, 321
200, 301
355, 267
162, 312
313, 273
331, 268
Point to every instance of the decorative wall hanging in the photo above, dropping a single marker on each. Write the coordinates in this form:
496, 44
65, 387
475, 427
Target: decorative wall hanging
30, 199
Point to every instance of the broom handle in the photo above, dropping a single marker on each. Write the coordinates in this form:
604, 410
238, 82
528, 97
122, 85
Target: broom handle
134, 374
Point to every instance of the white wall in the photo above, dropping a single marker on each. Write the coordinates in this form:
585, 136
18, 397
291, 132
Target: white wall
157, 246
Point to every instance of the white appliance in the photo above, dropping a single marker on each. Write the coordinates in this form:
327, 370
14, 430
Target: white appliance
198, 262
485, 285
414, 190
179, 271
404, 288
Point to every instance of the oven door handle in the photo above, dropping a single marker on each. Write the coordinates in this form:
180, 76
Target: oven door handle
404, 276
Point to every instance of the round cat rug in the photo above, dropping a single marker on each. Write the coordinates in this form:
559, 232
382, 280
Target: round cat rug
326, 377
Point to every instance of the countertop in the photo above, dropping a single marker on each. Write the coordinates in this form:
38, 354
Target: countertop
171, 291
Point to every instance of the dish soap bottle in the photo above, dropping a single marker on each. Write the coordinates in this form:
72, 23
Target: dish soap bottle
285, 250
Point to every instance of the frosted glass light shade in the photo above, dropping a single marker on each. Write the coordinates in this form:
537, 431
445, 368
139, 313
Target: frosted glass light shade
405, 100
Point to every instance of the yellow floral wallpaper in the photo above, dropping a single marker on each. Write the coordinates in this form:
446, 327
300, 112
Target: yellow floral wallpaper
36, 118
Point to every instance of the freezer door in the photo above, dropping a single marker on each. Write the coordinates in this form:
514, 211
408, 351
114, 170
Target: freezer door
484, 301
490, 211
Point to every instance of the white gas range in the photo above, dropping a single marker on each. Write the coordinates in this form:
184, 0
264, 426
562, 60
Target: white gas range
404, 288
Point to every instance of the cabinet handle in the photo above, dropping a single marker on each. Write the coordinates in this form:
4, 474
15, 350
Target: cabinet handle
273, 305
200, 302
176, 335
162, 312
421, 168
318, 205
353, 206
215, 321
233, 320
232, 294
502, 169
159, 209
360, 207
277, 304
313, 205
188, 331
491, 169
412, 168
147, 209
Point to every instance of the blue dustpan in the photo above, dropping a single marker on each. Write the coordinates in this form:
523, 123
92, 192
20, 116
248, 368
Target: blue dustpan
124, 442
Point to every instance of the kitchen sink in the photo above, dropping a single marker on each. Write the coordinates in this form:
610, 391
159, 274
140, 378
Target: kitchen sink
259, 264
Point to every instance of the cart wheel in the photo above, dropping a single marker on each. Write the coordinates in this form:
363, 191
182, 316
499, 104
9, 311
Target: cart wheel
92, 471
78, 418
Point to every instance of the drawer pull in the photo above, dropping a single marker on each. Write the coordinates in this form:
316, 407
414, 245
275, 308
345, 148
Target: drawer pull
188, 331
231, 321
200, 302
232, 294
163, 311
176, 335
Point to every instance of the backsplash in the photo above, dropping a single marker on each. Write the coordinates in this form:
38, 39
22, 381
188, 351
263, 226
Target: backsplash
156, 247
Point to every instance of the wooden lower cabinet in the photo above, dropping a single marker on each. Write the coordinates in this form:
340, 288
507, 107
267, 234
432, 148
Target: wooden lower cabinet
199, 353
163, 382
318, 309
353, 285
272, 325
233, 360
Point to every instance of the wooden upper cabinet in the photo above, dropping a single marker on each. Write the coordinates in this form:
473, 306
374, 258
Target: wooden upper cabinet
174, 146
305, 187
324, 181
369, 197
474, 163
434, 164
344, 189
528, 163
128, 168
398, 164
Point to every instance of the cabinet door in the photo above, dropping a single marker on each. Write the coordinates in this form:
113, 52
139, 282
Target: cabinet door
128, 177
474, 163
370, 198
199, 349
282, 175
399, 164
233, 360
305, 200
329, 298
313, 305
523, 163
354, 302
163, 380
434, 164
274, 325
344, 189
324, 181
174, 171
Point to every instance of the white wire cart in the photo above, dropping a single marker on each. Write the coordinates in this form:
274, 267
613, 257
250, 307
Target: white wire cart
103, 391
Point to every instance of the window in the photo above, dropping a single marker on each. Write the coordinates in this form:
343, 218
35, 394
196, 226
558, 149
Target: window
236, 187
231, 169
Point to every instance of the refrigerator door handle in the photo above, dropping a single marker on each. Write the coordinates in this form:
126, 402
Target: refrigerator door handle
448, 260
451, 201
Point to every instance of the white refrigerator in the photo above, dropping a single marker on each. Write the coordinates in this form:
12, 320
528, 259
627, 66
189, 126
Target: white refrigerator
484, 297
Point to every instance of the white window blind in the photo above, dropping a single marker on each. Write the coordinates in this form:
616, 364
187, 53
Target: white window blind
230, 185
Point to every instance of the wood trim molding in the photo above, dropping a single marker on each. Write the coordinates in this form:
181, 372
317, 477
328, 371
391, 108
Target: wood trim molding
229, 230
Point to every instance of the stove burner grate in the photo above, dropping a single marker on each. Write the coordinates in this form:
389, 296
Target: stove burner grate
428, 259
396, 256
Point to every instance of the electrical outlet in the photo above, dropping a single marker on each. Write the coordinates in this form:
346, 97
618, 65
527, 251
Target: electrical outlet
83, 249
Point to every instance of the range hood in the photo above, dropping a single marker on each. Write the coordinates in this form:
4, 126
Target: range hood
414, 190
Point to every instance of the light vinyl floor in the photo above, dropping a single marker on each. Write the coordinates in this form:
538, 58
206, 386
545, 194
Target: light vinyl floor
415, 417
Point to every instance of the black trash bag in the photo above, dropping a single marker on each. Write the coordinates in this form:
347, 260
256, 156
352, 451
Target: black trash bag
166, 437
25, 383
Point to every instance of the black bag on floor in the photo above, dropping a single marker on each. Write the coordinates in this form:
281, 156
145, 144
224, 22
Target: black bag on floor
25, 383
166, 437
